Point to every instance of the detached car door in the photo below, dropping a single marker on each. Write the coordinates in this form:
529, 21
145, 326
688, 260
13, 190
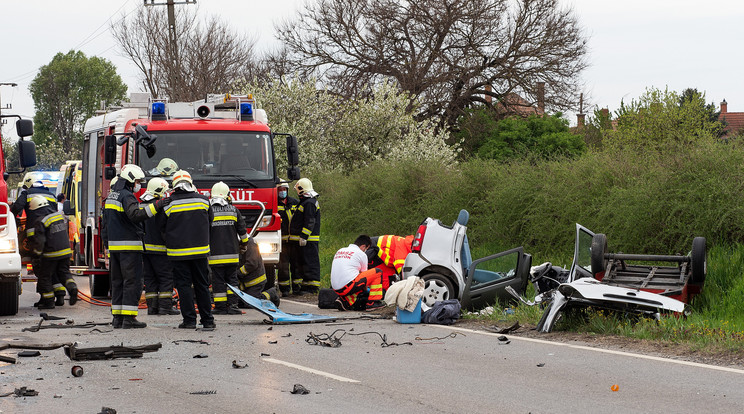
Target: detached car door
582, 261
487, 278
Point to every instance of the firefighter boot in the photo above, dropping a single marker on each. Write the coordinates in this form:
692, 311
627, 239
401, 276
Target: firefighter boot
72, 290
129, 322
59, 298
116, 322
271, 295
152, 306
296, 288
232, 305
47, 303
220, 308
166, 307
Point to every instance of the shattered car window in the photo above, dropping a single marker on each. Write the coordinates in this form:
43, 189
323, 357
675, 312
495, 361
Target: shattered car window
584, 258
498, 268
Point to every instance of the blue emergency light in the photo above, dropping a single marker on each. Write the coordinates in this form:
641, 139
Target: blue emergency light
246, 111
157, 111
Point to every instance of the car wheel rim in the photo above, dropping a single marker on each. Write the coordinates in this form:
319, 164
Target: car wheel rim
435, 291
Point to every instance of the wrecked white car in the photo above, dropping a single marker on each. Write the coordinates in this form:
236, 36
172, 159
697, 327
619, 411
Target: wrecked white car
440, 255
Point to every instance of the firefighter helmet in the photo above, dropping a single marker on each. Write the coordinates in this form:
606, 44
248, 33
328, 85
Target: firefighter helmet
283, 183
157, 186
304, 185
28, 179
113, 181
181, 176
220, 190
132, 173
37, 202
167, 166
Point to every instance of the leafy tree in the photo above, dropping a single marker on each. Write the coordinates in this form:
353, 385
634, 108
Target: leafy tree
447, 54
658, 119
474, 128
66, 92
336, 134
543, 136
691, 96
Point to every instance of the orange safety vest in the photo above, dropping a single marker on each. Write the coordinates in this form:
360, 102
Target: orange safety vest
394, 249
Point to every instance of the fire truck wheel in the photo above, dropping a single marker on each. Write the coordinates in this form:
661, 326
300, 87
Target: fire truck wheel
599, 249
9, 291
698, 260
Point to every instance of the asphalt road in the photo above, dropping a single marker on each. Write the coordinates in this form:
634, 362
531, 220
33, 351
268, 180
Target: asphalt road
463, 371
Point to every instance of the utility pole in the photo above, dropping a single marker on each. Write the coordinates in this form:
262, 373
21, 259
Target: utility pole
3, 121
175, 59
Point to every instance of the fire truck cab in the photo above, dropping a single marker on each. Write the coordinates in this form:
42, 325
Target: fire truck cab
222, 138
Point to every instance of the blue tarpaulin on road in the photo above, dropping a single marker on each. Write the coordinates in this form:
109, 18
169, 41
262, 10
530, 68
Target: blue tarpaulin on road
277, 315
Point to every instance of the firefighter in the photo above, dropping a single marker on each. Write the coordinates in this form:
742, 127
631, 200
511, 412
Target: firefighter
157, 268
28, 180
351, 279
252, 274
34, 188
227, 228
165, 168
49, 241
186, 230
286, 206
122, 236
304, 231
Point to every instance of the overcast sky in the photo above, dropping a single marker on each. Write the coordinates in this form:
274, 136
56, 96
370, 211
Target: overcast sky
634, 44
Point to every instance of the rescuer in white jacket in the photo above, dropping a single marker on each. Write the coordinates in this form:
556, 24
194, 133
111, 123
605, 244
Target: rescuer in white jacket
350, 277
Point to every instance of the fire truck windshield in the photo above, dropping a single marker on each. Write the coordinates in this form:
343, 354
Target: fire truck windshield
213, 155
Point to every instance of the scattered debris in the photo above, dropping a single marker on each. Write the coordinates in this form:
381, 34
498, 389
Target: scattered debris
276, 315
57, 396
135, 379
77, 371
273, 342
107, 410
541, 364
436, 338
333, 341
615, 388
48, 317
265, 354
504, 330
201, 356
29, 354
4, 358
69, 323
239, 364
22, 392
287, 335
194, 341
108, 352
299, 389
210, 392
503, 340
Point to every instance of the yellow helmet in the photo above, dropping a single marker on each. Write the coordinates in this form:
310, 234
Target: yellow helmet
180, 176
132, 173
220, 190
37, 202
167, 166
157, 186
304, 185
113, 181
28, 179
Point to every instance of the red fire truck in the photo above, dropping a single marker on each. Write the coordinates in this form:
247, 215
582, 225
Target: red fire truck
10, 258
222, 138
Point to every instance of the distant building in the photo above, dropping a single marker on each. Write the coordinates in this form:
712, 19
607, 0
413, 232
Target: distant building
734, 120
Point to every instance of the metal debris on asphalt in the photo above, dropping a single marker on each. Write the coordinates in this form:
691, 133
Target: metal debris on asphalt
22, 392
107, 410
108, 352
503, 330
333, 341
194, 341
209, 392
201, 356
299, 389
29, 353
542, 364
239, 364
436, 338
77, 371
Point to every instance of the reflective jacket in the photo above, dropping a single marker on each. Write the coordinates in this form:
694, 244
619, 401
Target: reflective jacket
286, 208
154, 241
48, 236
186, 226
122, 216
393, 250
305, 221
227, 228
252, 272
24, 199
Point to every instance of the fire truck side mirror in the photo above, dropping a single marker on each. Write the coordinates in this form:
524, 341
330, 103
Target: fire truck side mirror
24, 127
293, 152
109, 172
26, 153
109, 149
293, 173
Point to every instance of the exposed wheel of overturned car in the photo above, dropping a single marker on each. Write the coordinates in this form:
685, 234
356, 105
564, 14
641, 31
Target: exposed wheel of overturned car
437, 287
599, 249
698, 260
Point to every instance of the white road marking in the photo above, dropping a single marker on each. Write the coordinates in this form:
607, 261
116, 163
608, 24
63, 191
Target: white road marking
310, 370
606, 351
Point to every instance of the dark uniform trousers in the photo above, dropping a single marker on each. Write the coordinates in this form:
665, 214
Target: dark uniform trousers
221, 276
126, 282
287, 268
193, 272
43, 279
309, 255
158, 274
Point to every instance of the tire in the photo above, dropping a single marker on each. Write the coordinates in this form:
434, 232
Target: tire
100, 284
698, 260
437, 287
9, 291
599, 249
77, 259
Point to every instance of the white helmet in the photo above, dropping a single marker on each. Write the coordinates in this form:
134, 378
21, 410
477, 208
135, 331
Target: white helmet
220, 190
304, 185
28, 179
157, 187
167, 166
37, 202
283, 183
180, 176
113, 181
132, 173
